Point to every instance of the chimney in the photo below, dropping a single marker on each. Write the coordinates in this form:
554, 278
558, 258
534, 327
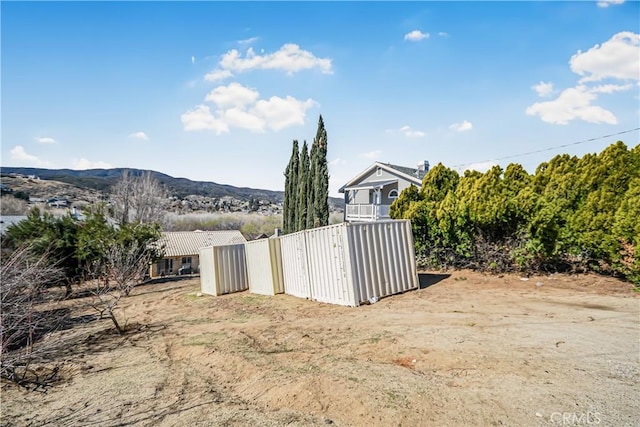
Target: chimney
423, 168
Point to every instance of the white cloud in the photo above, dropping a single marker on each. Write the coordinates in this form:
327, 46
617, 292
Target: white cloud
543, 89
607, 3
407, 131
250, 40
416, 36
83, 163
233, 95
240, 107
280, 113
18, 153
217, 75
289, 58
411, 133
200, 118
618, 58
236, 117
193, 59
337, 162
45, 140
480, 166
573, 103
610, 88
462, 127
139, 135
371, 154
443, 34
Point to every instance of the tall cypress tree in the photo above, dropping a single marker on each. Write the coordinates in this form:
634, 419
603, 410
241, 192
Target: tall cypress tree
290, 191
311, 186
321, 178
303, 185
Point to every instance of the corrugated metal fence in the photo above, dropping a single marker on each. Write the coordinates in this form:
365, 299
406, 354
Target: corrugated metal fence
345, 264
383, 260
349, 264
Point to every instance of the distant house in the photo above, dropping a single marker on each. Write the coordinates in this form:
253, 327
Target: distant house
369, 194
58, 202
182, 250
4, 189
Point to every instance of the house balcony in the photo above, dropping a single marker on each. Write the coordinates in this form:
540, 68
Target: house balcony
368, 212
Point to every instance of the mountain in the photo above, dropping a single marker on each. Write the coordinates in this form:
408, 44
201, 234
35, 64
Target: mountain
103, 179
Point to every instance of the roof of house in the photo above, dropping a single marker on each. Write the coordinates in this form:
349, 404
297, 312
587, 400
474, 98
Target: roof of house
408, 174
404, 169
370, 185
184, 243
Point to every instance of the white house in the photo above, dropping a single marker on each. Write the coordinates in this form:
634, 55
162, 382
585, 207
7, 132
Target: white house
369, 195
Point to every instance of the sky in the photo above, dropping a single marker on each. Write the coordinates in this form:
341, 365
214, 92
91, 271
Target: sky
217, 91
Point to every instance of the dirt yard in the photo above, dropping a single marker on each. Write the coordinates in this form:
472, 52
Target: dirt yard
467, 349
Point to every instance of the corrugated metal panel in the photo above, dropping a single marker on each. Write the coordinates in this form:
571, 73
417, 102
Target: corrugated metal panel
264, 266
227, 272
348, 264
207, 273
382, 258
276, 259
329, 268
294, 265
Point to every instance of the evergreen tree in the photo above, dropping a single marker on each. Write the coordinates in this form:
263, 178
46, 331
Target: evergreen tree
311, 185
303, 186
290, 191
321, 178
573, 213
48, 237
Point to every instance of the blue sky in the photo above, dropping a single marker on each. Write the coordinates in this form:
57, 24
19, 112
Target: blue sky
217, 91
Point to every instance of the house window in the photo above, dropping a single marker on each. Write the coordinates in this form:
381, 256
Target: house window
186, 260
379, 172
393, 194
168, 265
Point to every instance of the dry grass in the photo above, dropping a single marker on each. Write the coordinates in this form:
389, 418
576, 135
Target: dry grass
413, 359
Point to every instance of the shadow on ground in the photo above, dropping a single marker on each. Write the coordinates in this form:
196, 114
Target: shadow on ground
429, 279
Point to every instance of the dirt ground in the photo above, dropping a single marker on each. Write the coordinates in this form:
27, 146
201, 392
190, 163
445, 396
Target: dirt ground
467, 349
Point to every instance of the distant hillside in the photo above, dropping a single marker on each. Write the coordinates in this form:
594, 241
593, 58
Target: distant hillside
103, 179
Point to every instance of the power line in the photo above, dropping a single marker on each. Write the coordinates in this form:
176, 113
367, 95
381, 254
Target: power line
549, 149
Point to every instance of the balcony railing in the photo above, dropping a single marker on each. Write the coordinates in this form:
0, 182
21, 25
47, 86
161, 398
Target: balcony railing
368, 212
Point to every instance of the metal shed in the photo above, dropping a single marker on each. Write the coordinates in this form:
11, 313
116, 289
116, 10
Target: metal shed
264, 266
349, 264
223, 269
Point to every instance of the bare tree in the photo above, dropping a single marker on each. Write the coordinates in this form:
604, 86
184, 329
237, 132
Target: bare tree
124, 267
139, 199
121, 194
149, 199
22, 317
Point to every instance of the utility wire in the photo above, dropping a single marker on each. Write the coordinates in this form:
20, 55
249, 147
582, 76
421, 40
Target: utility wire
548, 149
